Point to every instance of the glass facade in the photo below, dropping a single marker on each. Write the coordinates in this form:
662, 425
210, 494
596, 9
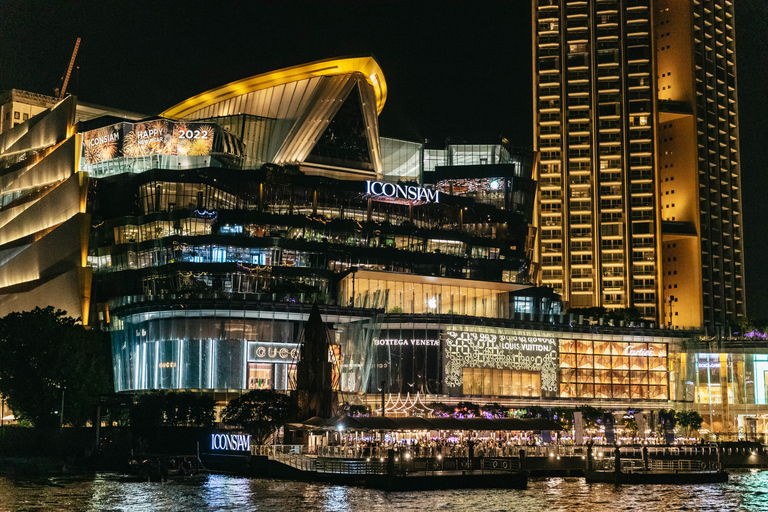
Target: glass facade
344, 141
206, 253
419, 295
291, 238
613, 369
204, 346
495, 382
414, 161
401, 160
728, 389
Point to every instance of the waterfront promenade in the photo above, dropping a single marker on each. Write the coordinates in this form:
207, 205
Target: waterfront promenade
537, 461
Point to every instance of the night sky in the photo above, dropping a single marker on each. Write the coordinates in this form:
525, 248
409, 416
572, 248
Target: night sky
453, 69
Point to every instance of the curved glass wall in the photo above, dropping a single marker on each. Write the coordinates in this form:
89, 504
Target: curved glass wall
206, 347
729, 390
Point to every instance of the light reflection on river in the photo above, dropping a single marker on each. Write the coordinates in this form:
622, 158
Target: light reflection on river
745, 491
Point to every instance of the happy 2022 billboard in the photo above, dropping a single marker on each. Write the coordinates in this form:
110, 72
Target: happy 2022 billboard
156, 137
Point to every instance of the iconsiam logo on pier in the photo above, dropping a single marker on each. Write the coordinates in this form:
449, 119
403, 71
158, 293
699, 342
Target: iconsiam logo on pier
507, 350
231, 442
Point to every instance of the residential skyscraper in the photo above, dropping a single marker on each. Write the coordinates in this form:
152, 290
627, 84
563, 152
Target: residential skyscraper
636, 121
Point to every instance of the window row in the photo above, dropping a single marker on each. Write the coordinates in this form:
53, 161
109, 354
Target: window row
496, 382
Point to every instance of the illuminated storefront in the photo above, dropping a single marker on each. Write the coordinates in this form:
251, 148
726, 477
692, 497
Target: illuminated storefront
613, 370
517, 365
728, 389
500, 363
206, 346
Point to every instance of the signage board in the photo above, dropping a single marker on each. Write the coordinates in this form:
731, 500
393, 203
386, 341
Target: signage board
404, 194
631, 350
272, 352
640, 420
231, 442
157, 137
389, 342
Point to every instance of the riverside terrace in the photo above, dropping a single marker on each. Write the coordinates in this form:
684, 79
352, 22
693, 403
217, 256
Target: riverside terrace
425, 437
405, 453
391, 453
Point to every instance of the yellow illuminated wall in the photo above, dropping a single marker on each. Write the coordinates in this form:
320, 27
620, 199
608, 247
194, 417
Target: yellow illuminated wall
403, 293
43, 225
698, 162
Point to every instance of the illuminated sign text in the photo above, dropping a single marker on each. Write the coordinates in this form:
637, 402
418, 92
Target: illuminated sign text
406, 193
273, 352
642, 352
397, 342
231, 442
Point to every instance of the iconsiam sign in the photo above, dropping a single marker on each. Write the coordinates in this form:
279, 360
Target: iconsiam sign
231, 442
403, 194
158, 137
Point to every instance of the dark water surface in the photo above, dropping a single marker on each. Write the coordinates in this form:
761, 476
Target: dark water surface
745, 491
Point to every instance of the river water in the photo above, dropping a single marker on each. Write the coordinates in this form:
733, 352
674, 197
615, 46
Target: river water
746, 490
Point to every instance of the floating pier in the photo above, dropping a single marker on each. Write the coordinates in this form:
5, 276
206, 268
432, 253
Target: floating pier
618, 470
396, 473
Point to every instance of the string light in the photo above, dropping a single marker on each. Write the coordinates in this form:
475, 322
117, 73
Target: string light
406, 406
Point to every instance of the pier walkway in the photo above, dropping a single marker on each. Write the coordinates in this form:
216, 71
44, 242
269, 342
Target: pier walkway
396, 473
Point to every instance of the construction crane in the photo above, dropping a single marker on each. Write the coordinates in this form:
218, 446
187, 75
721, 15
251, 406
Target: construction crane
69, 70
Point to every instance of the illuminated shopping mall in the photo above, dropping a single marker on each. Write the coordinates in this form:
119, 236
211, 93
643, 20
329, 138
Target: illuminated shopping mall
202, 236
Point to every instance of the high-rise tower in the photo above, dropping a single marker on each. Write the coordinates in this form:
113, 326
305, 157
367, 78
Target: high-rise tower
636, 122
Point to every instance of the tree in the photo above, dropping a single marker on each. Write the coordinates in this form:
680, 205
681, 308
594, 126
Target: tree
563, 416
689, 421
359, 410
668, 416
46, 356
495, 409
627, 315
467, 410
260, 412
441, 409
591, 415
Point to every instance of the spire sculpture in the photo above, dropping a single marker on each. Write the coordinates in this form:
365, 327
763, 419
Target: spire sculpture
316, 382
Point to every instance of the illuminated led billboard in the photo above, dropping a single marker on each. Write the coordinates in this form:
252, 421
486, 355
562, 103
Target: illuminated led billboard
157, 137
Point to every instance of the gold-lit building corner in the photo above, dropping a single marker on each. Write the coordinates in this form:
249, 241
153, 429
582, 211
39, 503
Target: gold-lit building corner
326, 67
43, 225
635, 119
301, 102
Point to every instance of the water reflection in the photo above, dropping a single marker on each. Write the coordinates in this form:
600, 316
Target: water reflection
746, 491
